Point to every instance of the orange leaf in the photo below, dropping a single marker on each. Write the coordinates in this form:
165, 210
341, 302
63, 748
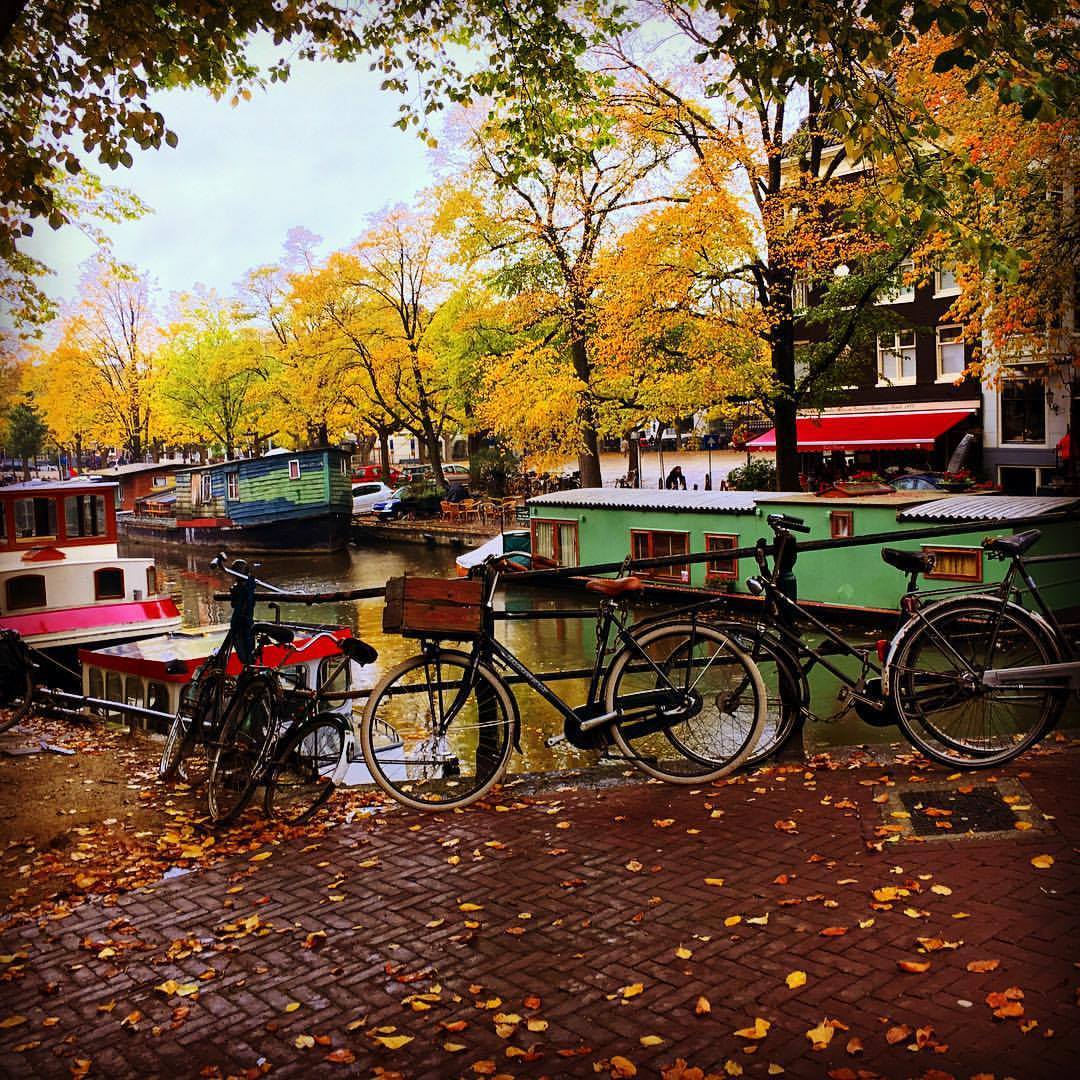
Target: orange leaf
343, 1056
702, 1006
834, 931
981, 966
913, 967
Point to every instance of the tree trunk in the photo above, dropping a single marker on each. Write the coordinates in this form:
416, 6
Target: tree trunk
589, 457
384, 454
784, 408
633, 459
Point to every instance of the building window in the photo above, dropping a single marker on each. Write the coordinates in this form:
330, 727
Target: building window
656, 544
151, 581
841, 523
945, 283
556, 540
1023, 411
232, 485
206, 487
896, 357
904, 292
721, 569
955, 563
35, 519
25, 591
950, 353
109, 584
84, 515
294, 469
159, 480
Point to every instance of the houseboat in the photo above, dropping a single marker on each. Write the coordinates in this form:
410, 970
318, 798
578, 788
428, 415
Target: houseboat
152, 674
604, 525
285, 502
62, 582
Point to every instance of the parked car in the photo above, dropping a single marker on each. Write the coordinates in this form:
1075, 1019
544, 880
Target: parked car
390, 507
369, 474
365, 496
456, 472
918, 482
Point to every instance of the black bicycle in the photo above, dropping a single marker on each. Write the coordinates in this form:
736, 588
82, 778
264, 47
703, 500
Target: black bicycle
679, 699
18, 668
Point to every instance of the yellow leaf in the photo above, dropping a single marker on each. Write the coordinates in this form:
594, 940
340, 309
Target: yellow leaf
796, 979
1043, 862
683, 953
470, 907
717, 881
536, 1025
650, 1040
774, 1069
12, 1021
758, 1031
262, 855
453, 1048
733, 920
758, 920
304, 1042
821, 1036
941, 890
702, 1006
394, 1042
292, 1006
632, 990
733, 1068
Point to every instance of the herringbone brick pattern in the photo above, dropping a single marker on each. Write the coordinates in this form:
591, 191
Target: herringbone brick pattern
582, 900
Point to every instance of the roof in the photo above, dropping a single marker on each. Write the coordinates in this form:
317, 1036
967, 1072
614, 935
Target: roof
989, 508
78, 483
277, 451
870, 431
701, 502
138, 467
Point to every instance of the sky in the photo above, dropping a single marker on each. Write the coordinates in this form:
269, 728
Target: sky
318, 151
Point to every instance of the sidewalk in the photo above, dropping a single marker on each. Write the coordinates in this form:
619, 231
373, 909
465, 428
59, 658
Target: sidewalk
583, 933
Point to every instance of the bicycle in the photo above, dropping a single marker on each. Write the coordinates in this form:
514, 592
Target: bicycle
679, 700
890, 688
977, 679
18, 668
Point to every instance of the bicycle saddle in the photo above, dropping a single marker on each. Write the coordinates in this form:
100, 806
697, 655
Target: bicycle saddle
1012, 545
282, 635
910, 562
615, 586
360, 652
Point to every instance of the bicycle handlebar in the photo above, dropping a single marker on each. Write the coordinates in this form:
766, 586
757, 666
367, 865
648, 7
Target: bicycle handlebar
788, 523
241, 571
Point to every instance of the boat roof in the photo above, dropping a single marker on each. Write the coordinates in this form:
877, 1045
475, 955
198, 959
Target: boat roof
708, 502
41, 487
193, 644
989, 508
138, 467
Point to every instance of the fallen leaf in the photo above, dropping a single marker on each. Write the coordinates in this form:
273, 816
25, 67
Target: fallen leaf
821, 1036
913, 967
632, 990
394, 1042
650, 1040
683, 953
716, 881
304, 1042
1042, 862
702, 1006
622, 1067
941, 890
12, 1021
796, 979
897, 1033
470, 907
854, 1045
292, 1006
834, 931
341, 1057
262, 855
758, 1031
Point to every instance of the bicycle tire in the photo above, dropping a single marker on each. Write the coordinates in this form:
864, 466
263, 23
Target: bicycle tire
301, 779
946, 712
18, 699
417, 764
719, 733
246, 730
196, 720
784, 686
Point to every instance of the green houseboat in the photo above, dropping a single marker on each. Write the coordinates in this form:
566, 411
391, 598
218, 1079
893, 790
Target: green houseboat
286, 502
604, 525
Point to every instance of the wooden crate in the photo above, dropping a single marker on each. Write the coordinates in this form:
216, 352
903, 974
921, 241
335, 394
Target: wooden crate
434, 608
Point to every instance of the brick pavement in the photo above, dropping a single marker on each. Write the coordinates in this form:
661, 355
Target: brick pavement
583, 897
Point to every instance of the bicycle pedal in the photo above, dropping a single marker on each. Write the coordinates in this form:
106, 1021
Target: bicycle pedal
554, 740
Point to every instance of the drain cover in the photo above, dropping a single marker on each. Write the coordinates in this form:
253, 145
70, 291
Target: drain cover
982, 809
964, 808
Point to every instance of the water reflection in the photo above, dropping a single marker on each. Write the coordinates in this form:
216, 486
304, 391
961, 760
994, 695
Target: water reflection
543, 644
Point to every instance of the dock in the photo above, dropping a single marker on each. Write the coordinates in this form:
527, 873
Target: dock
433, 531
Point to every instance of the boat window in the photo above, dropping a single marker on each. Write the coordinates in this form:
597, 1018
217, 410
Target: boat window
25, 591
655, 544
341, 680
721, 569
114, 687
294, 470
96, 683
151, 581
955, 563
232, 485
109, 584
206, 487
157, 697
133, 691
84, 515
556, 540
35, 518
841, 524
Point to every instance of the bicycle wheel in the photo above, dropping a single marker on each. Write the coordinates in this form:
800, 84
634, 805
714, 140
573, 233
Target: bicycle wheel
238, 752
302, 777
432, 737
692, 705
935, 681
16, 697
783, 686
196, 721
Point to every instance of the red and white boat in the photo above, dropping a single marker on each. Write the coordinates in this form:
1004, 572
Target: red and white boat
62, 582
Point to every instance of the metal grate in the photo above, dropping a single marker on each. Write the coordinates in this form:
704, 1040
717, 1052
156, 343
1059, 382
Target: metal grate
980, 810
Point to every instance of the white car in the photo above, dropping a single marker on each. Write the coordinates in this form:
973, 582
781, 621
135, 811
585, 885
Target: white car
365, 496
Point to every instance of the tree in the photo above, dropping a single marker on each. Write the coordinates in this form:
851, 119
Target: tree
210, 383
26, 432
544, 223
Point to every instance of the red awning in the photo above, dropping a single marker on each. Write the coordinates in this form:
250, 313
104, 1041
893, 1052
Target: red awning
868, 431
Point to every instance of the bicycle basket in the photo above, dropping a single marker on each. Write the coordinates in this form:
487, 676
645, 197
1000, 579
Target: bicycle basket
434, 608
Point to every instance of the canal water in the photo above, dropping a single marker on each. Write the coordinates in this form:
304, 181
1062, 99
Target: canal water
543, 644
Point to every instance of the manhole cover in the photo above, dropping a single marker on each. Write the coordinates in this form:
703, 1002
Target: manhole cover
982, 809
965, 808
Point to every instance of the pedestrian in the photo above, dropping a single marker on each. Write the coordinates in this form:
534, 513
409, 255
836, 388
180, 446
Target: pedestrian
675, 479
